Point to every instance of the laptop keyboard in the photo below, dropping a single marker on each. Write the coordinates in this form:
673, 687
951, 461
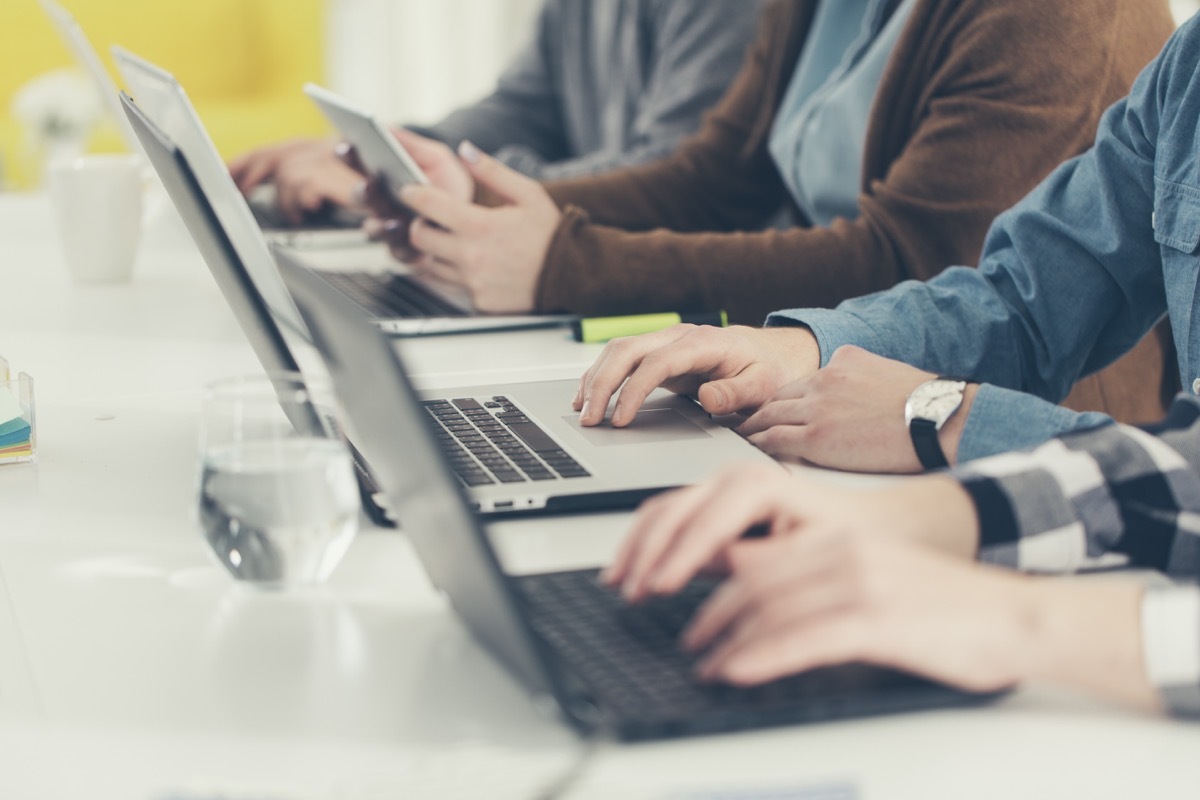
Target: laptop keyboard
490, 441
629, 657
391, 296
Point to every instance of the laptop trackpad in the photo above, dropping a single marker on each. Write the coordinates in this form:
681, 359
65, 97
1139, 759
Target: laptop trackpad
650, 426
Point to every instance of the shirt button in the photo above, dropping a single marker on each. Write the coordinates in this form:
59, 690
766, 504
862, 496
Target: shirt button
1196, 386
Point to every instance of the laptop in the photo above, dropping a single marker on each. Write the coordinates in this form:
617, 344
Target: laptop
610, 668
515, 447
399, 302
89, 60
268, 330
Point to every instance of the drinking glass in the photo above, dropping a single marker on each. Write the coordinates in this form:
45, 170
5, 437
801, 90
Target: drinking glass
278, 502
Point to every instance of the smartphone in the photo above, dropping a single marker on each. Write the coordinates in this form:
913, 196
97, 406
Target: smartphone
380, 153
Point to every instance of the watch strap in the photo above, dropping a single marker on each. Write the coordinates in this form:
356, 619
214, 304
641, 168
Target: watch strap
924, 434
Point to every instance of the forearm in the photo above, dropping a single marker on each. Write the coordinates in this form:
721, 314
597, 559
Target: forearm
592, 269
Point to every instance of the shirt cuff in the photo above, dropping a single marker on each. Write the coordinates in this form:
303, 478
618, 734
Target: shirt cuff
832, 329
1003, 420
1171, 646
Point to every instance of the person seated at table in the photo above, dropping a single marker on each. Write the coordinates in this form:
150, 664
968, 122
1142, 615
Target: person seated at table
602, 84
881, 576
894, 131
1069, 280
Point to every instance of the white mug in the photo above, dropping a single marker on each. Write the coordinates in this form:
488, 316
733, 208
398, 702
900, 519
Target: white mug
98, 204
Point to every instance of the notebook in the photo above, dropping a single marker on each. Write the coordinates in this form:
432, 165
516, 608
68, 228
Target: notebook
610, 668
515, 447
401, 303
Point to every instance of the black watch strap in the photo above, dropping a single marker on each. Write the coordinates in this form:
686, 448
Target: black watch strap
924, 434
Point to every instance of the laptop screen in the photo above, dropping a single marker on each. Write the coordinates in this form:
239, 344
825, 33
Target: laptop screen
164, 102
396, 438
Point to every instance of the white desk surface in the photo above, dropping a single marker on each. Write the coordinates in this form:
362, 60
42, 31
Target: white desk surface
132, 666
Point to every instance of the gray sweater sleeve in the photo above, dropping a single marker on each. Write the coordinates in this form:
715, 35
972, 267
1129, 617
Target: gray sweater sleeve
697, 48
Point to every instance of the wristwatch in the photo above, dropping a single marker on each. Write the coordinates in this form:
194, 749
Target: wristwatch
928, 408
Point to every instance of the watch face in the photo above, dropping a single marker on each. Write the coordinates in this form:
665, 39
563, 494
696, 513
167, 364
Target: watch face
935, 401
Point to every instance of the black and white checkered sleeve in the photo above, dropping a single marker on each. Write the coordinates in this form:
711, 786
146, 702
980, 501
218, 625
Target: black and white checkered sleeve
1110, 490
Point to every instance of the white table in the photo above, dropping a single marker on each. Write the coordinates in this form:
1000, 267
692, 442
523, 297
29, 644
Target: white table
131, 665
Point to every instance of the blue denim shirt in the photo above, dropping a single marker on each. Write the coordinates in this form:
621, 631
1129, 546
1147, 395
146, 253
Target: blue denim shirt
1070, 278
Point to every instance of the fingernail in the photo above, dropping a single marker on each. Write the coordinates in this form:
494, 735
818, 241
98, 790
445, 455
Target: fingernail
341, 149
468, 152
583, 412
359, 194
617, 414
409, 192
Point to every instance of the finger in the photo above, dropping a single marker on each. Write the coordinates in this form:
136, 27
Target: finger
821, 641
618, 359
647, 519
423, 150
437, 241
690, 355
429, 267
661, 533
790, 603
745, 391
441, 207
501, 179
348, 155
777, 412
287, 198
792, 442
727, 603
252, 173
380, 203
720, 519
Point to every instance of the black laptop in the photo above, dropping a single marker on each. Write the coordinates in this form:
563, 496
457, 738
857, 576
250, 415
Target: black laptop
611, 667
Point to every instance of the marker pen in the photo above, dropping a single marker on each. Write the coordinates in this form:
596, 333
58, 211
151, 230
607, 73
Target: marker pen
601, 329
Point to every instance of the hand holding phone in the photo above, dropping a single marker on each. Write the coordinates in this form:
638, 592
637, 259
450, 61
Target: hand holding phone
378, 151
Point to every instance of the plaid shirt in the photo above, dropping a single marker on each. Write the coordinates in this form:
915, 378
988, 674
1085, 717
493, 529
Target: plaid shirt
1114, 489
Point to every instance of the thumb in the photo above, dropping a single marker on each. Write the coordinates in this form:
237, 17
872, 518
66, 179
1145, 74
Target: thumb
746, 391
506, 182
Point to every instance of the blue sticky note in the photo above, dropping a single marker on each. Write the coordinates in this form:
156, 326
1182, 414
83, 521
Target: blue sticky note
13, 425
19, 435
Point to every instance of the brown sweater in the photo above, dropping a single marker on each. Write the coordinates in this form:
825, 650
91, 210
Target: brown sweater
982, 99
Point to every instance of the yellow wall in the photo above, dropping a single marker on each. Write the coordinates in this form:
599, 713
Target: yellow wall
241, 61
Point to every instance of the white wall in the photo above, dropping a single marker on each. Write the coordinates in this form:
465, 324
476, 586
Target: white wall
1184, 8
414, 60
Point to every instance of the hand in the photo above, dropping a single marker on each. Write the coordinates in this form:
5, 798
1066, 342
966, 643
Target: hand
818, 599
495, 253
307, 173
727, 369
849, 415
390, 220
677, 535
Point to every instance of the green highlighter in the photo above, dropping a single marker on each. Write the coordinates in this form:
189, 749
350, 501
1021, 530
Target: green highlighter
601, 329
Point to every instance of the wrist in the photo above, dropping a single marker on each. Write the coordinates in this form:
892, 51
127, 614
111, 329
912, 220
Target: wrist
795, 346
933, 511
1087, 635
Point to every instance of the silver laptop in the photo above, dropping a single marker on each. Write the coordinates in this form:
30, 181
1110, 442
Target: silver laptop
518, 448
397, 301
609, 668
89, 60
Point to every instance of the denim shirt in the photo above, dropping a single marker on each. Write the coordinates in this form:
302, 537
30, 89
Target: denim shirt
1070, 278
